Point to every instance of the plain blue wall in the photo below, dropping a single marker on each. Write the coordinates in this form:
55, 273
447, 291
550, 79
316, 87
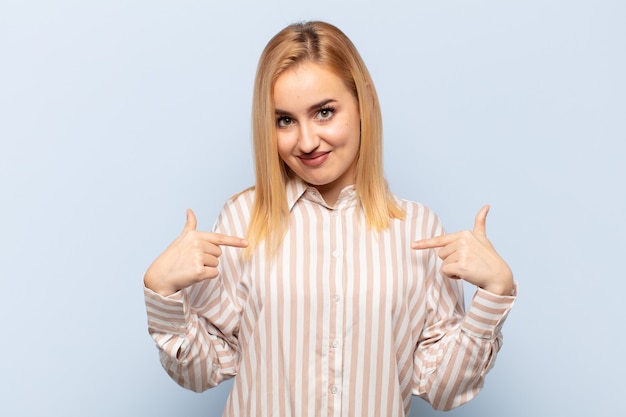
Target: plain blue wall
115, 116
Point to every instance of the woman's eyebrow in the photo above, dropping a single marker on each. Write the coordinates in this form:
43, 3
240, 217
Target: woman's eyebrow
311, 108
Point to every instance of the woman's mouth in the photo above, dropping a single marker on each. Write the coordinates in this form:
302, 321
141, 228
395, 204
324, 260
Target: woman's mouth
314, 159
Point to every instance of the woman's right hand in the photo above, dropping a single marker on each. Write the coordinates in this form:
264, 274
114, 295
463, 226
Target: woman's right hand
191, 258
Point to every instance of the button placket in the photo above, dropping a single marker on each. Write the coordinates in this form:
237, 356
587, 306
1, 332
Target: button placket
334, 342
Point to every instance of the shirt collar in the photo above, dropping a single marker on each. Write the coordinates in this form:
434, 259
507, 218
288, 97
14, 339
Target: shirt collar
297, 188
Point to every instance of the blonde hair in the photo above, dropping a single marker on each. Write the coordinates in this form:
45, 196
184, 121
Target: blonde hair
323, 44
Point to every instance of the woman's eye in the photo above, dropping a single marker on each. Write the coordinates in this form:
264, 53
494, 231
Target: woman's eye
284, 121
325, 114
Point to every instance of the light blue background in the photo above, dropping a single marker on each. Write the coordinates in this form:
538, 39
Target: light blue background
115, 116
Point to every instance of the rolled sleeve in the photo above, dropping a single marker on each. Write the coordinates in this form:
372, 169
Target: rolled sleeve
167, 314
487, 313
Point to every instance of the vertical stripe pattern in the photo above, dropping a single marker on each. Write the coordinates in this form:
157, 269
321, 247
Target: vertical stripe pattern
342, 321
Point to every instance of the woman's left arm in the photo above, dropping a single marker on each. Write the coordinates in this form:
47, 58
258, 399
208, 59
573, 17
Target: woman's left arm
456, 350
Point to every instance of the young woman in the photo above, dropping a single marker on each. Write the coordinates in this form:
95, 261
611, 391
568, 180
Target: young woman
343, 299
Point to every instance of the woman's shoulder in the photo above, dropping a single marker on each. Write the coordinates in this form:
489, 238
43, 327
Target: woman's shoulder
416, 212
413, 207
244, 197
237, 208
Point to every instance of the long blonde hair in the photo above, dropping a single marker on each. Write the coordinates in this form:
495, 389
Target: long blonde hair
323, 44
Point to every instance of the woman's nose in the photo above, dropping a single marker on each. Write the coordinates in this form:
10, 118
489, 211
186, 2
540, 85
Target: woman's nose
308, 140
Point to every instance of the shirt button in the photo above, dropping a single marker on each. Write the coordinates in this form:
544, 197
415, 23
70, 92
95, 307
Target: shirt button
335, 213
335, 343
336, 254
334, 389
336, 298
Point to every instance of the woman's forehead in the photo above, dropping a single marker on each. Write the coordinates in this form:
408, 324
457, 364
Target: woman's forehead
306, 84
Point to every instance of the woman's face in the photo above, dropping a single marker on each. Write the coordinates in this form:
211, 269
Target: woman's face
318, 127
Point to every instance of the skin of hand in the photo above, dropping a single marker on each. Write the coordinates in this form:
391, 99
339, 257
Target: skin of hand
469, 255
191, 258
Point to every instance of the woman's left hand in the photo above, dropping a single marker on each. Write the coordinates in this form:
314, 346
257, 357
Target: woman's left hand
469, 255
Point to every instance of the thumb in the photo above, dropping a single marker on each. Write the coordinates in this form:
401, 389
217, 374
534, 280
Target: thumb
191, 222
480, 222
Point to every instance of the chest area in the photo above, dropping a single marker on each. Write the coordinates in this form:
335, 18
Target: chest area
330, 259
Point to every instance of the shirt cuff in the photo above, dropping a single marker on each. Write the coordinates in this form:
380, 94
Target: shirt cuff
488, 312
167, 314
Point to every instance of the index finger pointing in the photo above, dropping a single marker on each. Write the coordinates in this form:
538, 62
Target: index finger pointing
226, 240
433, 242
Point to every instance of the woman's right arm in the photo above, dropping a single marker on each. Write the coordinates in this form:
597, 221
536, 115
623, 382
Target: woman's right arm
191, 316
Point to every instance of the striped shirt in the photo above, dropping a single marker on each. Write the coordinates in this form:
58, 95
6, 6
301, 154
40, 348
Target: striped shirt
342, 321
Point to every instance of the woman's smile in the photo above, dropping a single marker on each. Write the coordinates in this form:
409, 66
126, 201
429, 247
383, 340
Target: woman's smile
314, 159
